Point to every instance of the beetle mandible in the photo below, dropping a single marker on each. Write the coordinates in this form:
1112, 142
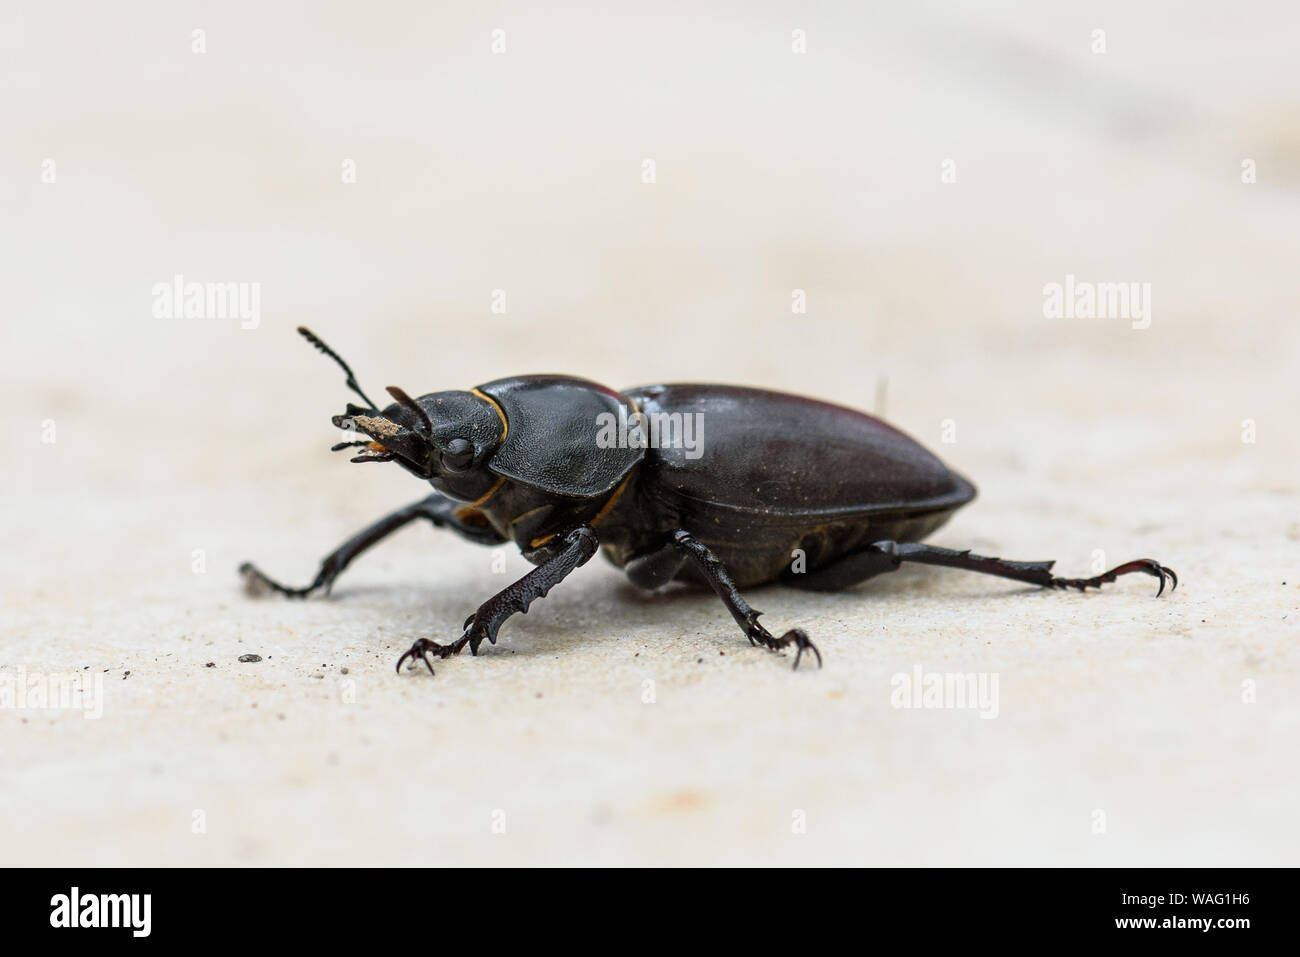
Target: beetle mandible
522, 459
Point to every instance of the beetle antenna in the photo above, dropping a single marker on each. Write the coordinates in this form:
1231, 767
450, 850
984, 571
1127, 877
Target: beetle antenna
411, 404
352, 379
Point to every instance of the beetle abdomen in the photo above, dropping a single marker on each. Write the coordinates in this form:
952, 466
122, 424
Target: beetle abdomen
791, 459
768, 473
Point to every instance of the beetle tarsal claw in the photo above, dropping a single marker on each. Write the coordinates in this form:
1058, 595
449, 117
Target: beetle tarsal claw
258, 583
418, 651
799, 638
1147, 566
758, 635
424, 647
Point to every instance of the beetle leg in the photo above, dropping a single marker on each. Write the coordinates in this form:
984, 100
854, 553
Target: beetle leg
711, 567
580, 545
1035, 573
438, 509
1148, 566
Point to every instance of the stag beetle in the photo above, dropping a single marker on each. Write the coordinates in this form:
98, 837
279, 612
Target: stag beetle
563, 466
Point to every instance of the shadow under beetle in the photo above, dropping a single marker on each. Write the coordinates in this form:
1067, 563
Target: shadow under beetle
778, 476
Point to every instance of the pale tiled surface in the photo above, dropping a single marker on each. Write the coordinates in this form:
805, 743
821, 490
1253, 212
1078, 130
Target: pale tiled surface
522, 172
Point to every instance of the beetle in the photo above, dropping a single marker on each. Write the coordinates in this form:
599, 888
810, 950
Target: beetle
563, 467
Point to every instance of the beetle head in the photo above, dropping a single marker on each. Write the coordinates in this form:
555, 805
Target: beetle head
442, 435
439, 435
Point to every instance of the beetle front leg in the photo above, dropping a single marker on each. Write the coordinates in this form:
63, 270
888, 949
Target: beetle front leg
580, 545
715, 573
438, 509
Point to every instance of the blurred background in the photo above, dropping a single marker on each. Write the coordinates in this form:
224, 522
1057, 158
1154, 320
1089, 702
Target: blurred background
859, 201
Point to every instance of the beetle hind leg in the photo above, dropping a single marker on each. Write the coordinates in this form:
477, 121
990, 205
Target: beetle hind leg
1147, 566
888, 555
844, 572
715, 573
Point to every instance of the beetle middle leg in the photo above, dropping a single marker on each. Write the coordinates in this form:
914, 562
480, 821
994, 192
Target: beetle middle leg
579, 545
887, 556
438, 509
715, 573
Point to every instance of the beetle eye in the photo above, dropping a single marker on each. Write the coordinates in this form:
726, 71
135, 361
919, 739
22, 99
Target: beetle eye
458, 455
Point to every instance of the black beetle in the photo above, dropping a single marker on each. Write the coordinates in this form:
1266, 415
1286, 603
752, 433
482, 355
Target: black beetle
785, 488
